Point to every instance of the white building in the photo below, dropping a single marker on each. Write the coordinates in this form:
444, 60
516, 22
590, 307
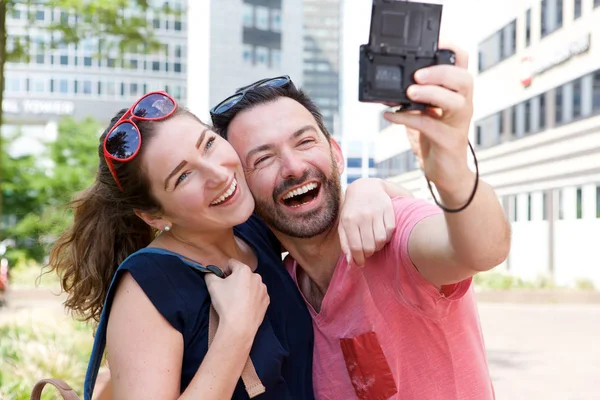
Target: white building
236, 42
537, 131
73, 81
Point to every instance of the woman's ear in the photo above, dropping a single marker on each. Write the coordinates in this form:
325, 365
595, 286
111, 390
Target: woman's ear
153, 219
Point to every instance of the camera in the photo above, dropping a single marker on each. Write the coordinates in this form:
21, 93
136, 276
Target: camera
403, 39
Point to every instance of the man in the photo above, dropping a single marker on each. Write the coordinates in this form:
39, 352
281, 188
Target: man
405, 325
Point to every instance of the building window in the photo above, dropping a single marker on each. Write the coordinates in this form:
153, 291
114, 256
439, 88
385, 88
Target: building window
527, 116
579, 205
262, 18
248, 54
577, 98
177, 25
529, 207
63, 86
577, 9
13, 84
99, 87
87, 87
75, 86
155, 66
38, 86
501, 45
551, 16
39, 15
177, 67
248, 14
596, 92
64, 60
133, 89
515, 203
87, 61
276, 20
178, 51
597, 201
354, 162
262, 55
561, 214
111, 62
513, 120
478, 135
558, 108
110, 88
275, 58
39, 58
545, 206
542, 114
156, 23
528, 27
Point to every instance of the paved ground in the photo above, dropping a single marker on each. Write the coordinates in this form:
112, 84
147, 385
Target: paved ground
545, 351
535, 351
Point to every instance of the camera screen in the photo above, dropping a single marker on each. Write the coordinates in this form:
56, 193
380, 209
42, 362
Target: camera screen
388, 77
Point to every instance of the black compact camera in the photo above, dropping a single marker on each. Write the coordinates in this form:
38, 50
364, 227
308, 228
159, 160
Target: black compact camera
403, 39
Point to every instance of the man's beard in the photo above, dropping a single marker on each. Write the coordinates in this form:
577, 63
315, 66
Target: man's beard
309, 224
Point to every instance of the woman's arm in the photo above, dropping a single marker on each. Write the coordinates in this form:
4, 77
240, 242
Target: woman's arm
145, 352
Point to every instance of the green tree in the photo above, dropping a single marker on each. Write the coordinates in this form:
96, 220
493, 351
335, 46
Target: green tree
122, 25
38, 195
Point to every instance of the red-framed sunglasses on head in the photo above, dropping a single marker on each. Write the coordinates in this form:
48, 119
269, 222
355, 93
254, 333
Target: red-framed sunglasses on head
123, 141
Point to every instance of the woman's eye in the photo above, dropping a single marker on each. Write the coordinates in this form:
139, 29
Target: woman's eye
209, 143
181, 178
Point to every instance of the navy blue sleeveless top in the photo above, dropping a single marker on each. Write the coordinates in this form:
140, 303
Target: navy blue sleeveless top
283, 346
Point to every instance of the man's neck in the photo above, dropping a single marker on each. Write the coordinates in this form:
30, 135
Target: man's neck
317, 258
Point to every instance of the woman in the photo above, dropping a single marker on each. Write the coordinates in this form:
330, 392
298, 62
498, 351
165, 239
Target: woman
181, 194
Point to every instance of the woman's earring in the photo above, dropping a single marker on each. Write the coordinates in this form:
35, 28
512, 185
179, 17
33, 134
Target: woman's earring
167, 228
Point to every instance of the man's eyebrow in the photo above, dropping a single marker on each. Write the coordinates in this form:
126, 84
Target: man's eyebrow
265, 147
182, 164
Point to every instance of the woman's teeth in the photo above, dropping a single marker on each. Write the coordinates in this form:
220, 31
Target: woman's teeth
225, 195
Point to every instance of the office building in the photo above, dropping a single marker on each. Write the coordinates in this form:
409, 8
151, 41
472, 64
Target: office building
537, 132
321, 58
73, 81
236, 42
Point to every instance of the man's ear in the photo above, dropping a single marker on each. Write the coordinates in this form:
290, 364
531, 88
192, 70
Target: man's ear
153, 219
336, 152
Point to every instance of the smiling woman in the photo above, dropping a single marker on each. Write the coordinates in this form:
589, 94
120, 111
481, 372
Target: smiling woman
170, 205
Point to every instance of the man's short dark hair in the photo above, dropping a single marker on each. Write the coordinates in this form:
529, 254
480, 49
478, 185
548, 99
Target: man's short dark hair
263, 95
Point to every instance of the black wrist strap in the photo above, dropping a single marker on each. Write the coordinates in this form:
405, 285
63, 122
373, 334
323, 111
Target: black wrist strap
449, 210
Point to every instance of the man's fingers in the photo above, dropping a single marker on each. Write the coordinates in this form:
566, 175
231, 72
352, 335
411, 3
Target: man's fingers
344, 243
462, 57
455, 79
437, 96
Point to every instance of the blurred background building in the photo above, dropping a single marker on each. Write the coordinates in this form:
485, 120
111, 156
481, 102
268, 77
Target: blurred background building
536, 131
73, 81
260, 39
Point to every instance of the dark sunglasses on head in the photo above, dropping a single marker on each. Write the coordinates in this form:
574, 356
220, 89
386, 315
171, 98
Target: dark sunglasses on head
123, 141
232, 100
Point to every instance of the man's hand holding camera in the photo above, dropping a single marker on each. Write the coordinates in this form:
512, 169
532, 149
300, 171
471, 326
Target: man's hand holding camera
439, 136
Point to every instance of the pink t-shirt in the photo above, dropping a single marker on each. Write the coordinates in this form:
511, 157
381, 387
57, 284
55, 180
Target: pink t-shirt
384, 332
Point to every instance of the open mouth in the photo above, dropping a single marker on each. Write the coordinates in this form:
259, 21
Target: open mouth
302, 195
227, 195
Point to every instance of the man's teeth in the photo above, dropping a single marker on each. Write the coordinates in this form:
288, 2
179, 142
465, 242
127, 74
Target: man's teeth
300, 190
226, 195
